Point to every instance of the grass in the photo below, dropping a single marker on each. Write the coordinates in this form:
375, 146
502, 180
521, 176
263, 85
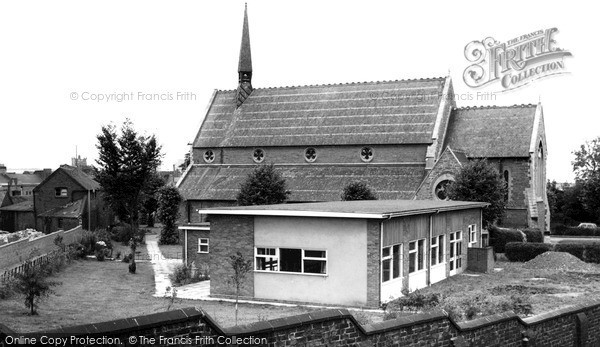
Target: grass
93, 292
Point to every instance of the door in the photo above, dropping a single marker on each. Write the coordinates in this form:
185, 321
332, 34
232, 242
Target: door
391, 272
455, 257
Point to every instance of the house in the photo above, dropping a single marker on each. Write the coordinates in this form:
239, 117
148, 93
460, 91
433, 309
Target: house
356, 253
21, 184
67, 198
405, 138
17, 216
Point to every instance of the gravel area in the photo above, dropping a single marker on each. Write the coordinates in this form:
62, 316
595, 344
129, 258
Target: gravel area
558, 261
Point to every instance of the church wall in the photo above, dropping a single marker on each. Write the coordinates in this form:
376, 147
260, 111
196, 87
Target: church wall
446, 164
325, 154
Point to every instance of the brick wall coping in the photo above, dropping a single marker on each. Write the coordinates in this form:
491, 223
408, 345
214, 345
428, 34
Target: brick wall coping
123, 326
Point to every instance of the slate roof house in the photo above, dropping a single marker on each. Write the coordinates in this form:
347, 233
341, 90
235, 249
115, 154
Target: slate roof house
21, 184
67, 198
404, 138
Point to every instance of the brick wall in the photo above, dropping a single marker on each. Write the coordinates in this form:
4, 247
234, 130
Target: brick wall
447, 164
228, 235
15, 253
45, 195
192, 247
373, 256
564, 327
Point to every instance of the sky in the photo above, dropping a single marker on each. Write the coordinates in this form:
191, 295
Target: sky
163, 60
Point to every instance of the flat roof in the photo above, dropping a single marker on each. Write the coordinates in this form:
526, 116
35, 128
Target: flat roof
370, 209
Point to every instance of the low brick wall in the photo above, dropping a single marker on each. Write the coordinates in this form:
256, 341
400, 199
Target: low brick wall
15, 253
574, 326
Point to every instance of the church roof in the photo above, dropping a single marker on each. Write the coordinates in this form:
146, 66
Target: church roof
320, 183
391, 112
491, 132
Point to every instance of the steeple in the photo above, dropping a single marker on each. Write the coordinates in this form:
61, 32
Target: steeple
245, 65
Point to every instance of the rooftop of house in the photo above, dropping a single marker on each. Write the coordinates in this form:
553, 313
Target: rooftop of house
370, 209
388, 112
23, 206
492, 131
71, 210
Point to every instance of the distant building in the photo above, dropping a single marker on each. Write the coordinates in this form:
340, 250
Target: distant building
67, 198
17, 216
21, 184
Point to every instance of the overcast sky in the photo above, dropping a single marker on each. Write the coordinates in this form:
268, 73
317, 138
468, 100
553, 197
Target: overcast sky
55, 51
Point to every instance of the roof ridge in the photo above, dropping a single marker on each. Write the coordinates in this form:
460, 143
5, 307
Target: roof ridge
494, 106
427, 79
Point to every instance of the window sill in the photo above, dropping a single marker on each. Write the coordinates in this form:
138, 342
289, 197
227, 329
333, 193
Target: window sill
417, 272
438, 265
291, 273
202, 252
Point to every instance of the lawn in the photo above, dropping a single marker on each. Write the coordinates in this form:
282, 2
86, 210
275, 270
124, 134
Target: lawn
93, 291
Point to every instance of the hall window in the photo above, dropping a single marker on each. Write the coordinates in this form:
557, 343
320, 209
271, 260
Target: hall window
416, 256
391, 266
308, 261
437, 250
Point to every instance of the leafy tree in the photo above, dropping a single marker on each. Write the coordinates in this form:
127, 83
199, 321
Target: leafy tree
126, 164
263, 186
169, 200
478, 180
587, 173
33, 285
150, 197
241, 268
357, 191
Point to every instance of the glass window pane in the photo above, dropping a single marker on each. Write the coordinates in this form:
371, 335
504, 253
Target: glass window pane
291, 259
412, 259
260, 251
434, 255
412, 246
441, 250
314, 254
434, 241
421, 255
396, 262
315, 266
386, 252
266, 264
452, 247
385, 266
458, 248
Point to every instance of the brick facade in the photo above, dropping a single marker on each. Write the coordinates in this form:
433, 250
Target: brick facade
373, 263
574, 326
200, 260
446, 165
230, 234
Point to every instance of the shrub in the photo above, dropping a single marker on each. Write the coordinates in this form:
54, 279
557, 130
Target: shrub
575, 249
520, 251
6, 288
484, 304
184, 274
88, 240
415, 301
558, 228
533, 235
591, 254
76, 250
574, 231
499, 237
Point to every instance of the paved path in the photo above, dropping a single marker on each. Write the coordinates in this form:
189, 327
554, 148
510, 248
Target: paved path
162, 267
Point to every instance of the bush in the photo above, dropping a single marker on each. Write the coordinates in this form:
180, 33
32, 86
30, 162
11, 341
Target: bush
499, 237
76, 250
533, 235
558, 228
184, 274
88, 240
520, 251
6, 288
575, 249
415, 301
484, 304
591, 254
574, 231
122, 233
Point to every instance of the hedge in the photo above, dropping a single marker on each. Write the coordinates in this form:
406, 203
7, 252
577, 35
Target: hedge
533, 235
524, 251
499, 237
574, 231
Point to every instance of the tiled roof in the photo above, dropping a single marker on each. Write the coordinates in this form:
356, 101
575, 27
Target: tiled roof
26, 178
23, 206
83, 179
319, 183
488, 132
394, 112
363, 206
70, 210
17, 199
2, 196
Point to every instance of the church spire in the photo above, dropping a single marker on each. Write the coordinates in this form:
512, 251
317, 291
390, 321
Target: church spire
245, 64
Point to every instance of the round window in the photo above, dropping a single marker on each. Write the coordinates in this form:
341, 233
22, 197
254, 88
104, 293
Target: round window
258, 155
440, 190
310, 154
209, 156
366, 154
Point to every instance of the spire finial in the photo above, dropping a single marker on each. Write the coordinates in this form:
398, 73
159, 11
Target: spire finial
245, 64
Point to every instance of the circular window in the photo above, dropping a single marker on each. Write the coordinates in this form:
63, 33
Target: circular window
258, 155
209, 156
366, 154
310, 154
440, 190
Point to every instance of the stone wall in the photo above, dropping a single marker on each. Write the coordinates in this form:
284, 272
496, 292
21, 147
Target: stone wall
577, 325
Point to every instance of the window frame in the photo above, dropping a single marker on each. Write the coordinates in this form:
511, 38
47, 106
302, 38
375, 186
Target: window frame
418, 256
437, 251
395, 260
255, 154
209, 156
472, 230
200, 244
363, 157
58, 192
303, 258
306, 153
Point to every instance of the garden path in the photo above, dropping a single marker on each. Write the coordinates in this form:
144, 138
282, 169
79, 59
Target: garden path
162, 266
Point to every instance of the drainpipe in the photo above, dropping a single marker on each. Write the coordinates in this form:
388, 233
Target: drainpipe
89, 210
185, 251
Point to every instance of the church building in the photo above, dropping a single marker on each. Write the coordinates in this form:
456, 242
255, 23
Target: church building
405, 139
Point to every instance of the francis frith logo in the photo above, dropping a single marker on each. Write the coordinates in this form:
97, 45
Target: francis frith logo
516, 62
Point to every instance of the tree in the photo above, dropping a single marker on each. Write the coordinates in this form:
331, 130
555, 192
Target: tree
169, 200
241, 268
150, 197
587, 173
126, 164
33, 284
478, 180
357, 191
263, 186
